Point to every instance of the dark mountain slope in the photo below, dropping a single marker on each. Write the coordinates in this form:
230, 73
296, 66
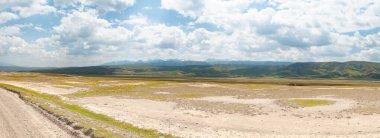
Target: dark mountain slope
327, 70
352, 69
175, 62
2, 64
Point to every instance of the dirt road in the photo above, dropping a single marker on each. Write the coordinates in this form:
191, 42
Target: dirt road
19, 120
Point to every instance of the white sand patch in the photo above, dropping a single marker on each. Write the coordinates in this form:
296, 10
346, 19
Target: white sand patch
45, 87
204, 85
232, 99
73, 82
115, 83
334, 88
164, 117
162, 93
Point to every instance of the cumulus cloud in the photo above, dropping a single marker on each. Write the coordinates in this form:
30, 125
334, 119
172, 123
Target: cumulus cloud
15, 49
26, 8
10, 31
10, 44
91, 32
135, 20
110, 5
293, 23
83, 33
7, 16
333, 15
101, 5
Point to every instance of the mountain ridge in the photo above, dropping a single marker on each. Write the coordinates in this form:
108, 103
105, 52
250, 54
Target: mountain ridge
3, 64
323, 70
176, 62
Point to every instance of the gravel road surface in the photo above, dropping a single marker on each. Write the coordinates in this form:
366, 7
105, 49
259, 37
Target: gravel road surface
19, 120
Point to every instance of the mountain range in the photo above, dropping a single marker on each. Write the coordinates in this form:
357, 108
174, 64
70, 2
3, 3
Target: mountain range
252, 69
175, 62
5, 67
2, 64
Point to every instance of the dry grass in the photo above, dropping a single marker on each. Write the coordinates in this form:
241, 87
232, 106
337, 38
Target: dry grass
306, 102
218, 107
43, 99
181, 91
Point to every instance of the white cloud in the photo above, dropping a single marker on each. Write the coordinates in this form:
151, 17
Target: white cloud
39, 29
185, 7
101, 5
110, 5
10, 31
15, 49
7, 16
83, 33
10, 44
299, 30
326, 15
35, 8
26, 8
305, 25
135, 20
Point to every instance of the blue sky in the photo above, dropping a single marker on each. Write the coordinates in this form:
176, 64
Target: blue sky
91, 32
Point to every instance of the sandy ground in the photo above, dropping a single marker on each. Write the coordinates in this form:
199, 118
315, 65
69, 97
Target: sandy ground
204, 85
116, 83
44, 87
18, 120
243, 110
232, 99
279, 122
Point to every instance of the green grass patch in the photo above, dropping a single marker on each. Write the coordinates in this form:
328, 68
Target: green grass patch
307, 102
29, 94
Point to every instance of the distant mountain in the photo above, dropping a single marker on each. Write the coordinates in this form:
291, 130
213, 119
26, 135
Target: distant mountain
156, 63
168, 71
174, 62
248, 63
5, 67
2, 64
16, 68
327, 70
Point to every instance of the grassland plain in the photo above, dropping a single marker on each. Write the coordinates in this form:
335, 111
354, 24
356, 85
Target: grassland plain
307, 102
86, 120
321, 70
200, 107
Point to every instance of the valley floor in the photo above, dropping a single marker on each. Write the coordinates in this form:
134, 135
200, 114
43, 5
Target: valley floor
221, 109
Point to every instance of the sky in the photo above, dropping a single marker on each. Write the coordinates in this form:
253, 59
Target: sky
91, 32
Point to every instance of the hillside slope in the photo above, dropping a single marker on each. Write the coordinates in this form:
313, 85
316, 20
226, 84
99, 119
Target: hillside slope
352, 70
175, 62
328, 70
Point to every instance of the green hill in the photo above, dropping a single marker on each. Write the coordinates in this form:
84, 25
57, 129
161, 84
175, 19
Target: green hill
327, 70
350, 70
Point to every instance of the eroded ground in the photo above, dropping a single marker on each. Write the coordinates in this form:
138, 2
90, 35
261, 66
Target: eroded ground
219, 108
